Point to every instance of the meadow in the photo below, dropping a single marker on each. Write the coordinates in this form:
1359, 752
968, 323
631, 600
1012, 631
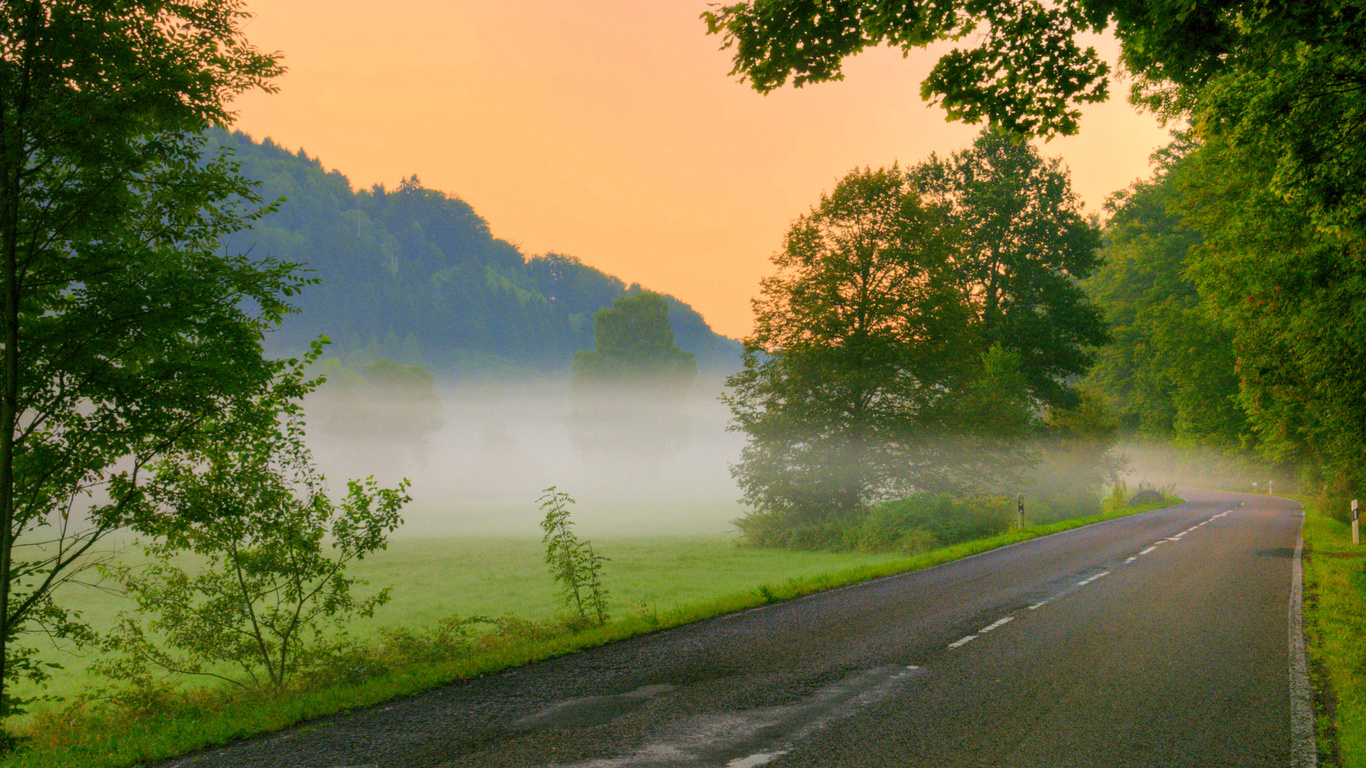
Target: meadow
433, 578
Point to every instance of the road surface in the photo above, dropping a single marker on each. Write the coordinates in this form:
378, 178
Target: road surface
1159, 639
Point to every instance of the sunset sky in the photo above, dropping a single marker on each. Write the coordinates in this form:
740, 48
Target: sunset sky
610, 130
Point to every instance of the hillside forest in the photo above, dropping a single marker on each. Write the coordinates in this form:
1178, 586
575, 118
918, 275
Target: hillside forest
414, 275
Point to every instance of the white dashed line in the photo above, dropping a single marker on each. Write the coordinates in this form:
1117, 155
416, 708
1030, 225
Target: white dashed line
1149, 550
1131, 559
995, 624
962, 641
1084, 582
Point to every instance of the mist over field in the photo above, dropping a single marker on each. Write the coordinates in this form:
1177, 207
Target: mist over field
480, 458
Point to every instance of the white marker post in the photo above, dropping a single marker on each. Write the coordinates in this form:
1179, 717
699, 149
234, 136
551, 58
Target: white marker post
1356, 524
1270, 484
1019, 510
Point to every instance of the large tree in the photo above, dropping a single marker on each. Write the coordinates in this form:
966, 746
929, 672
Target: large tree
1171, 370
858, 340
124, 327
1022, 244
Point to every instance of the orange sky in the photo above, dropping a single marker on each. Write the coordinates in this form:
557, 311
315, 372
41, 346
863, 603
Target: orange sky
610, 130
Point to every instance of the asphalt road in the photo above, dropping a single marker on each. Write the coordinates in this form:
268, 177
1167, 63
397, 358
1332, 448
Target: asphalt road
1160, 639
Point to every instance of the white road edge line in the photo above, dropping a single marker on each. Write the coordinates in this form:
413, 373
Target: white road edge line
1304, 751
962, 641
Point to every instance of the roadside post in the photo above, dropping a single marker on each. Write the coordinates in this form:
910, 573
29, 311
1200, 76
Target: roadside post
1019, 511
1270, 484
1356, 524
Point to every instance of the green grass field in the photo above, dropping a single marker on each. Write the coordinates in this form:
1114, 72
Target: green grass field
1335, 623
435, 578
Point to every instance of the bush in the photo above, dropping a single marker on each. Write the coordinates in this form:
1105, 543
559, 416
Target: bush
573, 563
924, 521
773, 529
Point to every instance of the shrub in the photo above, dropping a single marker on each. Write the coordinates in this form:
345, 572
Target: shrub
573, 563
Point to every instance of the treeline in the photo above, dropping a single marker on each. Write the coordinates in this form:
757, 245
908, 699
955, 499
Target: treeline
414, 275
1236, 313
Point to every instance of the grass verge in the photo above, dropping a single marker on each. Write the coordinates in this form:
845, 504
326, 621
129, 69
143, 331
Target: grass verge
1335, 629
163, 723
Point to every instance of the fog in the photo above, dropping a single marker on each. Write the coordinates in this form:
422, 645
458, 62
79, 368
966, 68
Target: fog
1195, 466
479, 460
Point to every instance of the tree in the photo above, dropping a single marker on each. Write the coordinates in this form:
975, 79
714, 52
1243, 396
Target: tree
1171, 371
860, 339
124, 328
634, 346
1022, 245
630, 391
245, 497
1289, 291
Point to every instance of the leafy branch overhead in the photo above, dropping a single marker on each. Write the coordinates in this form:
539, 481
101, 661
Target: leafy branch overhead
1027, 71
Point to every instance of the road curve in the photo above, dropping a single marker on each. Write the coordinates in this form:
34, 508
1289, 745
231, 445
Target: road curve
1159, 639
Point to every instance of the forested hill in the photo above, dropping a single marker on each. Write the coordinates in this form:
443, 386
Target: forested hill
414, 275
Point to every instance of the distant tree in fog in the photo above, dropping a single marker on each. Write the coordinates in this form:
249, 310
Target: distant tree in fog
635, 346
629, 391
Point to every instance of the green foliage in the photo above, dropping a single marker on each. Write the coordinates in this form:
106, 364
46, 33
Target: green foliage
917, 324
573, 563
1027, 71
1171, 369
275, 548
1289, 77
926, 521
124, 326
1021, 245
1289, 288
635, 346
